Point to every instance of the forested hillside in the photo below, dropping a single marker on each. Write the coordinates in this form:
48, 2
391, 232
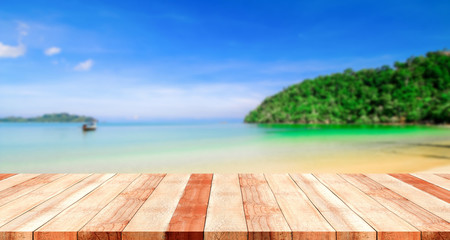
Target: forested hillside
415, 91
55, 117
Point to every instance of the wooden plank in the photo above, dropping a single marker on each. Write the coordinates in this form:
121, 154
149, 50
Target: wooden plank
424, 186
444, 175
225, 218
111, 220
66, 224
151, 221
431, 226
14, 180
421, 198
24, 203
304, 219
434, 179
6, 175
23, 188
386, 223
264, 217
23, 226
188, 220
347, 223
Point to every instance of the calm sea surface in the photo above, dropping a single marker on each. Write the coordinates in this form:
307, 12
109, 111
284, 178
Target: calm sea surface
148, 147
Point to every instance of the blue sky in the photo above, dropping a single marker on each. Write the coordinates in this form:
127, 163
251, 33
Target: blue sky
145, 60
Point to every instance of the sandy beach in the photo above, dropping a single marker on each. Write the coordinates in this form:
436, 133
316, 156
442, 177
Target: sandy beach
223, 148
433, 158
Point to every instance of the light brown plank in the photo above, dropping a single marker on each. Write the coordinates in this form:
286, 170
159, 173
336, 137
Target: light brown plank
66, 225
23, 226
14, 180
111, 220
434, 179
188, 220
303, 218
22, 204
386, 223
152, 220
225, 219
27, 186
347, 223
431, 226
6, 175
424, 186
264, 218
423, 199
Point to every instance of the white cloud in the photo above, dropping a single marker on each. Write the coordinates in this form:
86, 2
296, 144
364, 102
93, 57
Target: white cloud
52, 51
111, 97
84, 66
12, 51
7, 51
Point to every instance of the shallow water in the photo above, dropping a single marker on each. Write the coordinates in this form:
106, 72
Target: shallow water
234, 147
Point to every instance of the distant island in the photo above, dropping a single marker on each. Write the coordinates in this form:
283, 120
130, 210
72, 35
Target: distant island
415, 91
55, 117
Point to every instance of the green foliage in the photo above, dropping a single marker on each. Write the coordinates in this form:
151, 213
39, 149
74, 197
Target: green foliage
56, 117
416, 91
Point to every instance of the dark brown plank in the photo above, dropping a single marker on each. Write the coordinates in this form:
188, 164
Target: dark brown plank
188, 220
424, 186
6, 175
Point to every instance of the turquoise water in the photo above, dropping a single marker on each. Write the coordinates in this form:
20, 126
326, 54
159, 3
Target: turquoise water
150, 147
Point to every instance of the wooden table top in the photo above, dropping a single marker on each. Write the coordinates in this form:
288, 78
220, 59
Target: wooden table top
224, 206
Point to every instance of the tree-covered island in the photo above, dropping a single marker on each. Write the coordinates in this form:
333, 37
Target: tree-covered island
415, 91
55, 117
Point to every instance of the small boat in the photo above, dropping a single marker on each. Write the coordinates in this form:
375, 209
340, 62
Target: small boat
89, 126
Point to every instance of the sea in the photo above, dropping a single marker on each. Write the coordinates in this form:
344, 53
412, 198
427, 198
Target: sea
220, 147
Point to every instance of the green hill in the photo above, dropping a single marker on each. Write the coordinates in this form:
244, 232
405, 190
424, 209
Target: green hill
415, 91
56, 117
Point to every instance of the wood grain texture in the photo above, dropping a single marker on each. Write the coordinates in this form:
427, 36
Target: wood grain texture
425, 186
27, 186
431, 226
26, 202
151, 221
23, 226
434, 179
417, 196
303, 218
66, 225
111, 220
225, 219
224, 206
6, 175
264, 217
387, 224
188, 220
347, 223
14, 180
